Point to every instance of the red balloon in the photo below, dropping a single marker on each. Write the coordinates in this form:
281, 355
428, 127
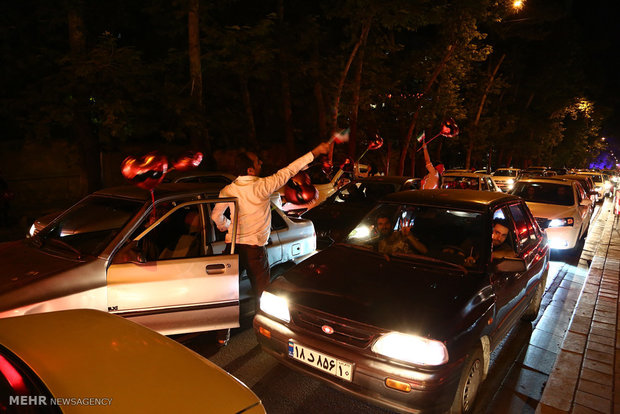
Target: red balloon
145, 172
449, 128
188, 161
376, 143
300, 190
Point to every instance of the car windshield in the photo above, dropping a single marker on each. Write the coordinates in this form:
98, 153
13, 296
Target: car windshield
362, 192
463, 183
547, 193
454, 236
87, 227
505, 173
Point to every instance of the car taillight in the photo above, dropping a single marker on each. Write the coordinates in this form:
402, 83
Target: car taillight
13, 377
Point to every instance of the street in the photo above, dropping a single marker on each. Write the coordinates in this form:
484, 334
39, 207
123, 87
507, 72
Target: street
518, 370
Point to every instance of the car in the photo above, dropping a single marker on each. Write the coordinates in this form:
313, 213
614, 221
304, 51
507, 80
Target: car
338, 215
469, 181
559, 205
505, 178
411, 332
199, 176
603, 187
481, 172
160, 262
586, 183
75, 360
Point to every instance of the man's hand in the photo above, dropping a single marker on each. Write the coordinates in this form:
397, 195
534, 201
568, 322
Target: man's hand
322, 148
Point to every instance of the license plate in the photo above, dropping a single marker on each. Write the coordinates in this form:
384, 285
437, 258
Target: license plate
325, 363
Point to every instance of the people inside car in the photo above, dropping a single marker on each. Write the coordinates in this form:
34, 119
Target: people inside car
500, 243
402, 240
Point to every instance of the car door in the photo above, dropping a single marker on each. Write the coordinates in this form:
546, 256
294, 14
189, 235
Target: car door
180, 280
584, 205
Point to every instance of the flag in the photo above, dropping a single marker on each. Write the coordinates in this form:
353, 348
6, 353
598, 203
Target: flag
421, 137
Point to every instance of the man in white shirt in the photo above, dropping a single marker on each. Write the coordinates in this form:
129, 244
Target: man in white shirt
254, 216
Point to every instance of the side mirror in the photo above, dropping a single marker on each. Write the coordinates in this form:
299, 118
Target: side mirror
509, 265
130, 253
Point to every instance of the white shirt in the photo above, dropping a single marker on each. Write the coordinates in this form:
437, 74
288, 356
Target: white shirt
253, 195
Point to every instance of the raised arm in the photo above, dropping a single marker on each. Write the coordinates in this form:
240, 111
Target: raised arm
427, 159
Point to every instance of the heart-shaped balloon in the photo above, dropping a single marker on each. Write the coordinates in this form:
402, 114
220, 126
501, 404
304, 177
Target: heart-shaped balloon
300, 190
375, 143
187, 161
145, 172
449, 128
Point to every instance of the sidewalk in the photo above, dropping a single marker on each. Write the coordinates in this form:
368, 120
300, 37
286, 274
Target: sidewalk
586, 372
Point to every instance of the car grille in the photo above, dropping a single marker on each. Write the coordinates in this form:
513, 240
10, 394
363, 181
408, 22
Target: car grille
345, 332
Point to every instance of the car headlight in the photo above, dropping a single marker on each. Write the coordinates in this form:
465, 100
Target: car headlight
510, 181
275, 306
32, 230
411, 348
360, 232
562, 222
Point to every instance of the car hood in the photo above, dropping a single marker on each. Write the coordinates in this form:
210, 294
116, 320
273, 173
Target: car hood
90, 354
550, 211
415, 296
30, 275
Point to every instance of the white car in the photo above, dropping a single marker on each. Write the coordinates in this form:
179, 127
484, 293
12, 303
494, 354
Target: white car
603, 187
505, 178
161, 263
469, 181
559, 205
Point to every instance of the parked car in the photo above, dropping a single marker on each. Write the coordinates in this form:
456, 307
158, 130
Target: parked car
505, 178
412, 332
469, 181
77, 360
340, 213
561, 206
160, 263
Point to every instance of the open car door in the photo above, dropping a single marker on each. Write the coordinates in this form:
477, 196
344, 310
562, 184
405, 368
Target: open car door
170, 277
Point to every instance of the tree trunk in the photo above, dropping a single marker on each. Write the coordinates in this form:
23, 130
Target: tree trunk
357, 85
473, 131
343, 76
285, 86
247, 104
199, 137
318, 93
407, 140
389, 157
88, 142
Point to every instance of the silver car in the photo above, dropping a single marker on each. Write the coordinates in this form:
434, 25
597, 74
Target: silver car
160, 262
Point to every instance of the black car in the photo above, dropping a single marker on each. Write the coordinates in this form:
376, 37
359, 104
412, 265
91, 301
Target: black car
409, 330
338, 215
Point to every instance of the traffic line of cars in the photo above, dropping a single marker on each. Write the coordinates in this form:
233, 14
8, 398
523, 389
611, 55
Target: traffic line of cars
410, 330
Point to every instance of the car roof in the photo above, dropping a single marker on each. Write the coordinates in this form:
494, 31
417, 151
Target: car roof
163, 190
468, 174
174, 175
548, 180
390, 179
463, 199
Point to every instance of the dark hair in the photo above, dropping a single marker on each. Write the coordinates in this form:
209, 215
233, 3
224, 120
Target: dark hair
242, 163
383, 215
501, 221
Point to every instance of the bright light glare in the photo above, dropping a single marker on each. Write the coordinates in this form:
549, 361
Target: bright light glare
360, 232
410, 348
275, 306
558, 243
517, 4
510, 181
32, 230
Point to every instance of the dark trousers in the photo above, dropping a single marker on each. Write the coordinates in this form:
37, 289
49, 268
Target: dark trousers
255, 261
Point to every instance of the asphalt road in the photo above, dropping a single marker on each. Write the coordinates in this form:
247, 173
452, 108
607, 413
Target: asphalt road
283, 390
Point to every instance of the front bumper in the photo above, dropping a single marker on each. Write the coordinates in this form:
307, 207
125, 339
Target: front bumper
563, 238
432, 390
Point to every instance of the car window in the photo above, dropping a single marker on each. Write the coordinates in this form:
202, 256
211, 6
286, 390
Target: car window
484, 185
445, 234
180, 235
490, 184
463, 183
525, 232
547, 193
508, 247
277, 222
89, 226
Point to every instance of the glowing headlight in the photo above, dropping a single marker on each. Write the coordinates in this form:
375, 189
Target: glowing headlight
558, 243
360, 232
32, 230
275, 306
510, 181
562, 222
410, 348
607, 185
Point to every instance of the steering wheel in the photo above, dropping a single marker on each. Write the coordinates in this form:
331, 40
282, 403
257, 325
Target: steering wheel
453, 250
